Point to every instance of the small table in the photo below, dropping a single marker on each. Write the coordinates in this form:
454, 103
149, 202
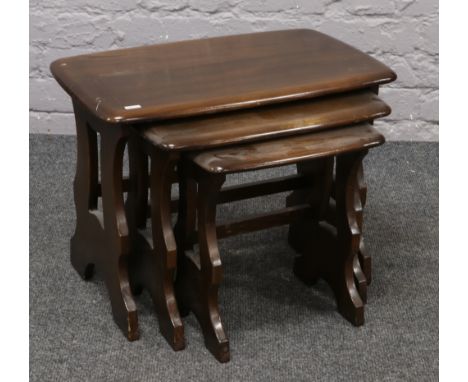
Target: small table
120, 91
332, 248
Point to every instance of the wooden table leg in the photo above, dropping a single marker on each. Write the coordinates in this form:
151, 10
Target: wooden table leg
137, 200
349, 224
101, 239
161, 286
333, 256
199, 277
318, 196
137, 208
116, 230
85, 188
333, 253
365, 260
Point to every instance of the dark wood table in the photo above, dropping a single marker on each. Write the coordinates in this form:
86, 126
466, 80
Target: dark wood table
332, 246
118, 92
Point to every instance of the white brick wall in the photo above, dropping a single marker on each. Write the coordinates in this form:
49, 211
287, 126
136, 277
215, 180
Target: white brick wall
401, 33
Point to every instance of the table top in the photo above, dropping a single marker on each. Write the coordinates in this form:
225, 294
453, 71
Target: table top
266, 122
279, 152
196, 77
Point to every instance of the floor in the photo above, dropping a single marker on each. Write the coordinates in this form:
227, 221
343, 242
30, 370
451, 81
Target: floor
279, 329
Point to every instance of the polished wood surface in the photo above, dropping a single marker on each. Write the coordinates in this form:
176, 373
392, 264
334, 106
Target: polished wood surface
316, 84
267, 122
216, 74
291, 150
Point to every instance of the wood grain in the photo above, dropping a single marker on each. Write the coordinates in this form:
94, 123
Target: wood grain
267, 122
286, 151
216, 74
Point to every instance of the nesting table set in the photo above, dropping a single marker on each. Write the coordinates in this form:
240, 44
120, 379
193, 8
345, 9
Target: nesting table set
192, 112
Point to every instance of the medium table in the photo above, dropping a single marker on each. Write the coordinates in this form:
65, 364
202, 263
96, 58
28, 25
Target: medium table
117, 93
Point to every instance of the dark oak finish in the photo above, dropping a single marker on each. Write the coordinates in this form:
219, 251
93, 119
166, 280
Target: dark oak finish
250, 190
292, 82
106, 240
262, 188
263, 221
216, 74
101, 238
286, 151
333, 257
267, 122
364, 259
320, 172
198, 278
321, 199
155, 257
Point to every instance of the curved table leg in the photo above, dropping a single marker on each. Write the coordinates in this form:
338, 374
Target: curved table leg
184, 229
361, 261
199, 278
349, 216
161, 285
139, 183
85, 187
301, 234
137, 207
211, 269
360, 279
332, 253
115, 266
101, 239
364, 259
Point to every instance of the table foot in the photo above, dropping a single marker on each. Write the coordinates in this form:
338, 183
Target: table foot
146, 274
123, 308
322, 259
88, 250
360, 279
195, 295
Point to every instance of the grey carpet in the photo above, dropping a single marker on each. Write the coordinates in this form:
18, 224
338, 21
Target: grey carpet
279, 329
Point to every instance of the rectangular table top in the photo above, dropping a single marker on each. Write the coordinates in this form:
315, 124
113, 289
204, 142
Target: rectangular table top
279, 152
196, 77
266, 122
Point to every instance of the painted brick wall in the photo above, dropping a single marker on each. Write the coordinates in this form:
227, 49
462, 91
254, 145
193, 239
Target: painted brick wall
401, 33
